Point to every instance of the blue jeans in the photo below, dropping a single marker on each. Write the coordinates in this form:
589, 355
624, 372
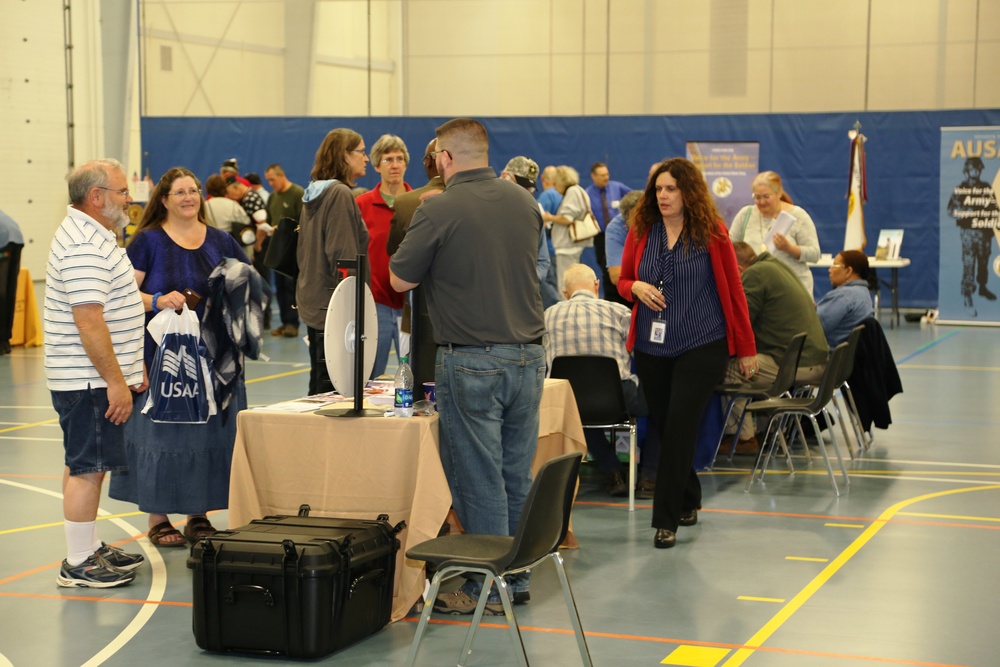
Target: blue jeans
488, 400
388, 335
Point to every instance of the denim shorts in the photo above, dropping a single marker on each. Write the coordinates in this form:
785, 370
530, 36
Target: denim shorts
92, 443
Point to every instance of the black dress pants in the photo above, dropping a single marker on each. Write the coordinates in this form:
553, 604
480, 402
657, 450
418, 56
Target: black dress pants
677, 391
319, 377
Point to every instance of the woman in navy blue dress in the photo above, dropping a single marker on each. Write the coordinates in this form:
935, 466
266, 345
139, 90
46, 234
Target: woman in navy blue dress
178, 468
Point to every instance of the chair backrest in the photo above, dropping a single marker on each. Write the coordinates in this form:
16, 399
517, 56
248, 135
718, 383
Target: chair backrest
788, 365
831, 378
545, 516
852, 353
597, 386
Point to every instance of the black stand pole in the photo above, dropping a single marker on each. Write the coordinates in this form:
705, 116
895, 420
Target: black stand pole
361, 281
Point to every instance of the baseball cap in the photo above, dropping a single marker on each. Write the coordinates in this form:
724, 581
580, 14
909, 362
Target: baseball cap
231, 162
524, 170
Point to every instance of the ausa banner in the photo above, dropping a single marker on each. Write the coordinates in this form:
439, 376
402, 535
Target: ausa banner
729, 168
969, 278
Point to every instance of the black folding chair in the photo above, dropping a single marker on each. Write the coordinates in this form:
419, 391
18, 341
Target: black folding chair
759, 390
809, 407
597, 386
542, 528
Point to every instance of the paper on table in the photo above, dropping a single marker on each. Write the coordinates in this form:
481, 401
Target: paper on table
782, 224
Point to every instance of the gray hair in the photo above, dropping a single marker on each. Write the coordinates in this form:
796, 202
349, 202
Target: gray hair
86, 177
388, 143
628, 202
579, 276
566, 176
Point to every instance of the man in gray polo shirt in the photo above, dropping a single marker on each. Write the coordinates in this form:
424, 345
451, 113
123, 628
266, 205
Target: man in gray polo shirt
473, 248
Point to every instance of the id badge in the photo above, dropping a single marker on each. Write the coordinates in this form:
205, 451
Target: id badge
658, 332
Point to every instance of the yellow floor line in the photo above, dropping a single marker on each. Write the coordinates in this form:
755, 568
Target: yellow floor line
807, 559
951, 516
278, 375
843, 525
32, 425
786, 612
55, 524
751, 598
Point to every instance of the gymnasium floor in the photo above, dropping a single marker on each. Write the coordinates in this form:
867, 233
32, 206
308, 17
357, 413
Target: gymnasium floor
899, 570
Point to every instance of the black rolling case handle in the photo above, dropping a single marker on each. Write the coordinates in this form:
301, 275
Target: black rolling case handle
249, 588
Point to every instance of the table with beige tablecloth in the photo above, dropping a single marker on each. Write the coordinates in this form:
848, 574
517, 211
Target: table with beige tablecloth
362, 467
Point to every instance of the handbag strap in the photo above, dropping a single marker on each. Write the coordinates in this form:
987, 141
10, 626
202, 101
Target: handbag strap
746, 219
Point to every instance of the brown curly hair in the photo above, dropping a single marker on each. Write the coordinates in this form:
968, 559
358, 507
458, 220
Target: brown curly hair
156, 212
701, 218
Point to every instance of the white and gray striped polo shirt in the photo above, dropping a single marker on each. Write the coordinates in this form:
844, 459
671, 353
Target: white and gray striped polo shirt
87, 266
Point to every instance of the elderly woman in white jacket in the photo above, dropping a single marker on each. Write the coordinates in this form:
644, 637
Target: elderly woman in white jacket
575, 203
795, 248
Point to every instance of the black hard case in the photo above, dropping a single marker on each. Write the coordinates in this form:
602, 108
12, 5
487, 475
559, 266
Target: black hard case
297, 585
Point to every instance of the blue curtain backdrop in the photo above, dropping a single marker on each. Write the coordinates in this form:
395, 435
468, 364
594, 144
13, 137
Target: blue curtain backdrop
809, 151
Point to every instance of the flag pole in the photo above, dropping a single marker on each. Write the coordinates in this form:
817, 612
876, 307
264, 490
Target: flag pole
857, 192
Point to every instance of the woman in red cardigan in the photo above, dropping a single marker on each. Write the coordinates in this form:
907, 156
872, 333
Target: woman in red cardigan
689, 317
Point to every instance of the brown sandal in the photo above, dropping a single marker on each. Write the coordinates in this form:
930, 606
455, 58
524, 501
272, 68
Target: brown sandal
198, 528
164, 529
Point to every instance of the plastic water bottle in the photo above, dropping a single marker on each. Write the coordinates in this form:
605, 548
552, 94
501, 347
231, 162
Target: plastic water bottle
403, 383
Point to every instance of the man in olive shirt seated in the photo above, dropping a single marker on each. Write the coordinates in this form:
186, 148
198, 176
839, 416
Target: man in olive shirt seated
779, 308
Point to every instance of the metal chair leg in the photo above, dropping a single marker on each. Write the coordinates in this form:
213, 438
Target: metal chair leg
631, 465
822, 449
843, 423
574, 614
866, 439
425, 616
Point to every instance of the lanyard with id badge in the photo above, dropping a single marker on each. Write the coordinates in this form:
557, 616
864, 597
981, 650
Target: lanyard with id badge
658, 329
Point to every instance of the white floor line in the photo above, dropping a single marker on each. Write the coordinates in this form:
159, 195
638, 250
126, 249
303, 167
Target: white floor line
157, 584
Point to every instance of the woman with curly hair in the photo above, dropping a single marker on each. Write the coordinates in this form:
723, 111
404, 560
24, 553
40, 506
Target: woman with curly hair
177, 468
689, 317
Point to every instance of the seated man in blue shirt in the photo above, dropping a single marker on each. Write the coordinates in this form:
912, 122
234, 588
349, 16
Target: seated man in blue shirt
849, 303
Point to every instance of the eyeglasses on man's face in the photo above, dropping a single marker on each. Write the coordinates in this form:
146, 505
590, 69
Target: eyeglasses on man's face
433, 154
123, 192
191, 192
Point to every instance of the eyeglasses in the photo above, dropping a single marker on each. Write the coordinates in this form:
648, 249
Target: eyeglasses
433, 154
123, 192
359, 150
393, 160
838, 266
193, 192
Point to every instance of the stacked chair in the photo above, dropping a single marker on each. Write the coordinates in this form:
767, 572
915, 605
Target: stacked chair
809, 407
781, 386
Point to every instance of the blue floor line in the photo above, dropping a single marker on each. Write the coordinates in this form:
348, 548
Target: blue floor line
926, 347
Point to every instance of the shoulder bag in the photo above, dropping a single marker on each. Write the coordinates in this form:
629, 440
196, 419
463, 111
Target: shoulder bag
586, 227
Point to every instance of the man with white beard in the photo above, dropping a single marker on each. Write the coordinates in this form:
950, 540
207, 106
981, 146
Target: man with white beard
94, 321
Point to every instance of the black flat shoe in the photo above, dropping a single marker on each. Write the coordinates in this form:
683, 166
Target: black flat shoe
664, 538
689, 518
